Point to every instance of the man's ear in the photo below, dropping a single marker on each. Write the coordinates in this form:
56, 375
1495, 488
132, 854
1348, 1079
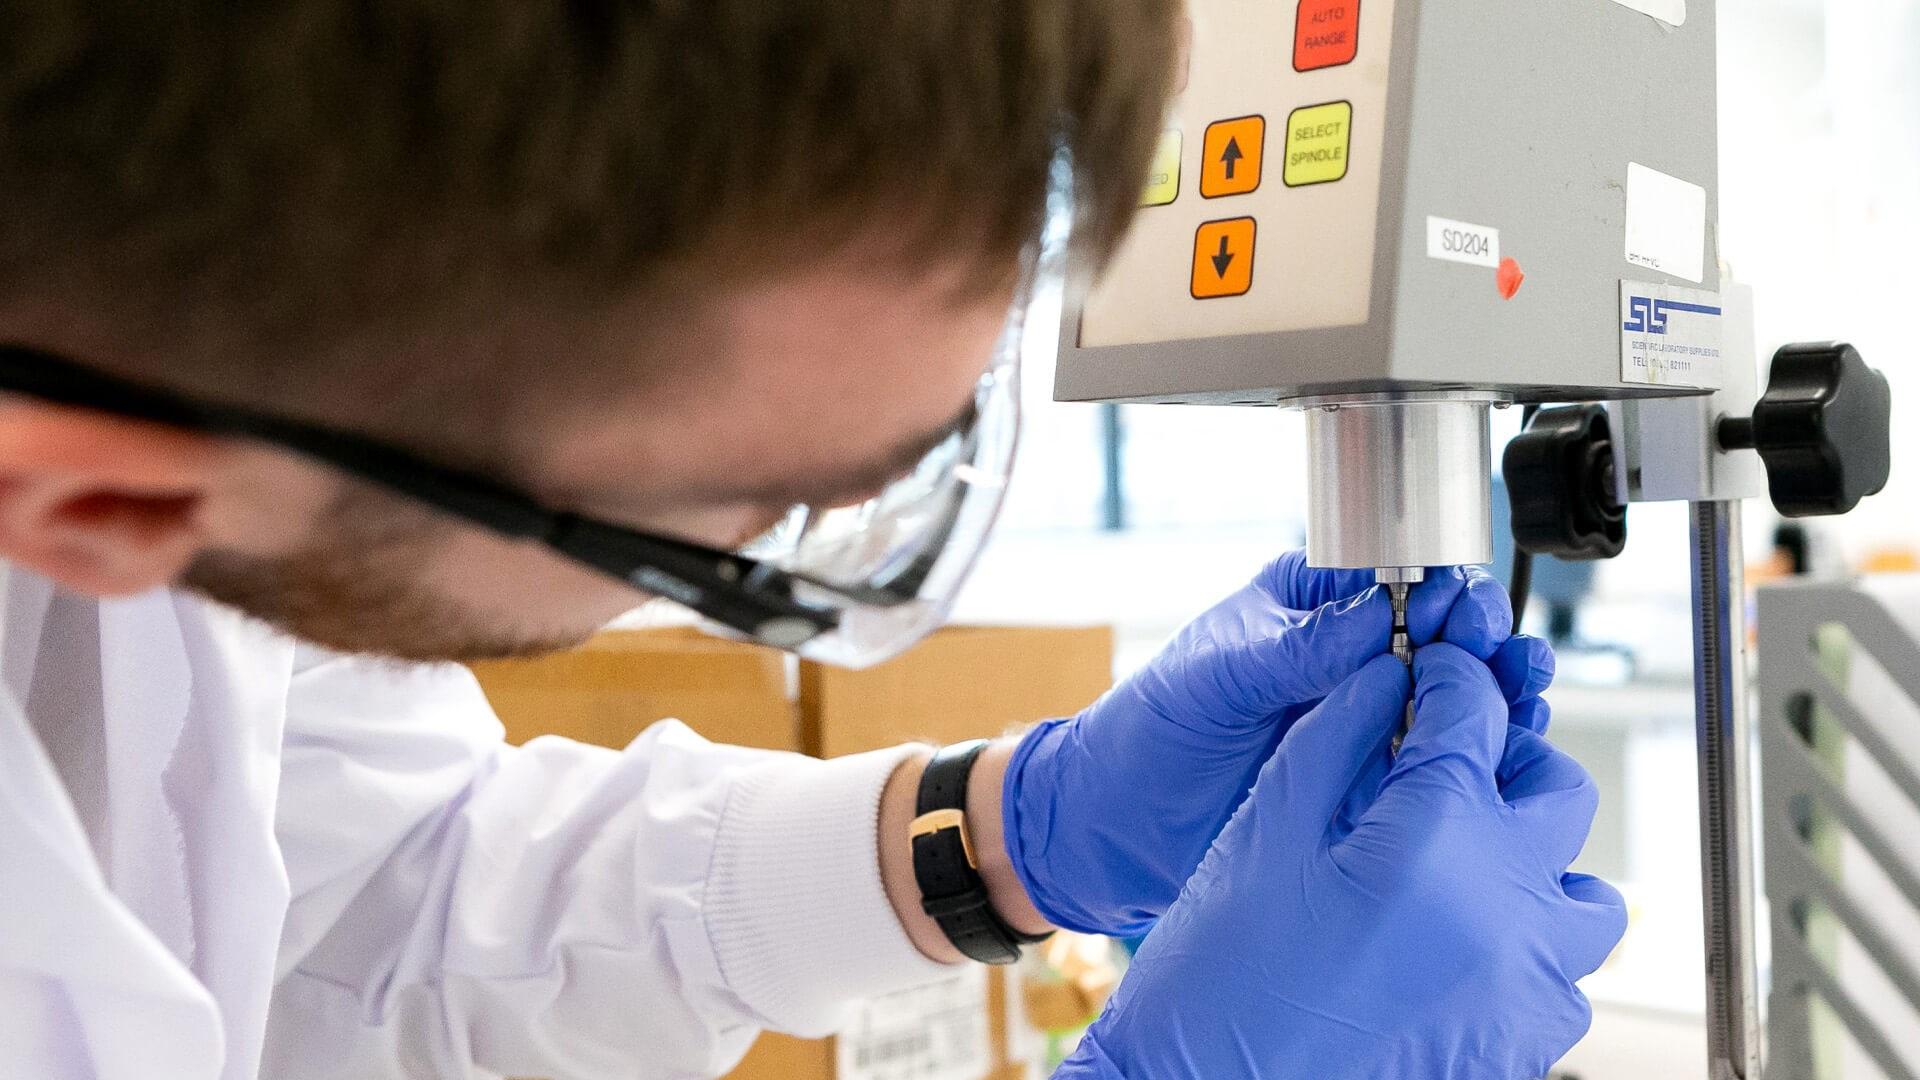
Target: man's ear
100, 504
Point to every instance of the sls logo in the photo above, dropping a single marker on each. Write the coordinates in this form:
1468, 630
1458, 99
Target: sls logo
1669, 335
1649, 316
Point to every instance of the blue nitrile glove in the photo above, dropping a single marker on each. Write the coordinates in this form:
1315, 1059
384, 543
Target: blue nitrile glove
1107, 813
1437, 939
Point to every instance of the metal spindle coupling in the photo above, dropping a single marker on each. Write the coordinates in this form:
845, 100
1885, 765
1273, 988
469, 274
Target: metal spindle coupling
1402, 641
1398, 587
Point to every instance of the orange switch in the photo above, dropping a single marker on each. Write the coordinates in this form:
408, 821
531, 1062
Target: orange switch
1223, 259
1231, 156
1326, 33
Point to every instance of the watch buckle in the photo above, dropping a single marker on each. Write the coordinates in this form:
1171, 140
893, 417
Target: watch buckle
936, 820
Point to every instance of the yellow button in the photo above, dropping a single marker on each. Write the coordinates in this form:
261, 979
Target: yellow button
1223, 258
1163, 179
1231, 155
1318, 137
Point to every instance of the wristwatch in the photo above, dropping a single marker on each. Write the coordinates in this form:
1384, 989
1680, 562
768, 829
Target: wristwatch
952, 892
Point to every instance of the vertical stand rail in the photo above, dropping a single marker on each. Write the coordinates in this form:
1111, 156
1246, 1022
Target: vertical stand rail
1726, 823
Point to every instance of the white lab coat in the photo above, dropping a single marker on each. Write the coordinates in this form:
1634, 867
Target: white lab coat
225, 855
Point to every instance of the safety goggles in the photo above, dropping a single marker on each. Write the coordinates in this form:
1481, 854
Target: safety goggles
852, 585
866, 581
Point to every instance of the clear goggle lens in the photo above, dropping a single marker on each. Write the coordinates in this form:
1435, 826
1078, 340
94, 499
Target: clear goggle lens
890, 568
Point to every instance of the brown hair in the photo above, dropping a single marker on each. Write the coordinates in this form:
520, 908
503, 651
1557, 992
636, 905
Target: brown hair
276, 175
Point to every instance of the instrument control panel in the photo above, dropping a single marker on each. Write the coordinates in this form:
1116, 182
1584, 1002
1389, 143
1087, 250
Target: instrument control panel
1260, 211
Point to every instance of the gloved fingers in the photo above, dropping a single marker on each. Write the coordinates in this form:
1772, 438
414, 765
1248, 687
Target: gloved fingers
1523, 665
1463, 605
1530, 765
1430, 603
1533, 714
1553, 797
1459, 730
1294, 584
1365, 788
1592, 891
1597, 920
1556, 825
1320, 760
1306, 661
1481, 619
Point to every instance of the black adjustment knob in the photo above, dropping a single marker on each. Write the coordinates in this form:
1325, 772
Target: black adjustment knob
1823, 429
1559, 475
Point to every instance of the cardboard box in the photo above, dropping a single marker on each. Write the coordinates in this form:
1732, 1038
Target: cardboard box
610, 689
963, 682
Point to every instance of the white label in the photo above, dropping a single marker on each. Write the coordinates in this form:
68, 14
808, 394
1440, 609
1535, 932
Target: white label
1669, 335
1672, 12
1457, 241
934, 1032
1666, 223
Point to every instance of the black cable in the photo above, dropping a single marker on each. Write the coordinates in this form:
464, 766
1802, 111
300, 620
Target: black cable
1520, 585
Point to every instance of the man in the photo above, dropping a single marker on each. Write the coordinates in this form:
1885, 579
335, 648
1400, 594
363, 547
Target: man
336, 332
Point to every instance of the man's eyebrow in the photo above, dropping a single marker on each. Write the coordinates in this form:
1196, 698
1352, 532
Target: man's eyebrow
863, 478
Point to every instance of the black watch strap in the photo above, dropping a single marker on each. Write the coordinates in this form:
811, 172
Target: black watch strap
952, 892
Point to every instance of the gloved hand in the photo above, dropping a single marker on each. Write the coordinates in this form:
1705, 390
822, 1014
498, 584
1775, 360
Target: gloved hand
1107, 813
1438, 937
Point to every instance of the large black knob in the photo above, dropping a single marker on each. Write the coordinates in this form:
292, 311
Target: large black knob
1823, 429
1560, 485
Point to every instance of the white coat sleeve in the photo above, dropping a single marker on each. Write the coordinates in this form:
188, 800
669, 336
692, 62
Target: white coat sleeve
461, 906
